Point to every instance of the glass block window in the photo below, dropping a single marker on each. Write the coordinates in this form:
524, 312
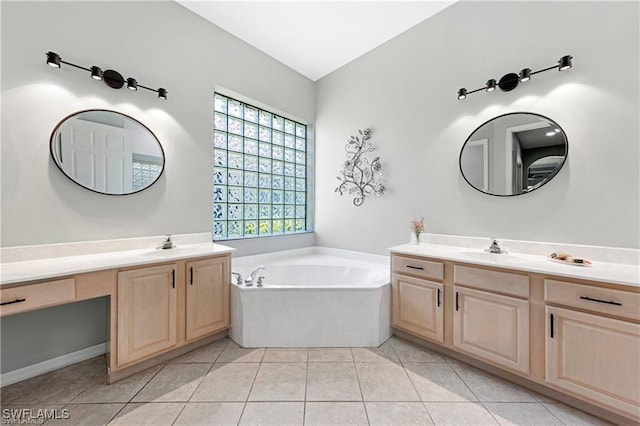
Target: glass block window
260, 168
144, 173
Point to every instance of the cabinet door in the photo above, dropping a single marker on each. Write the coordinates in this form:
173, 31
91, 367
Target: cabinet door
207, 296
595, 357
492, 326
418, 306
147, 312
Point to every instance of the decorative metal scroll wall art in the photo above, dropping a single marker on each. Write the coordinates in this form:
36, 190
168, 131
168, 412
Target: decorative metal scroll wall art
360, 176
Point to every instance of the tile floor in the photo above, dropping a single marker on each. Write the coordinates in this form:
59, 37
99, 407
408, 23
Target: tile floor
398, 383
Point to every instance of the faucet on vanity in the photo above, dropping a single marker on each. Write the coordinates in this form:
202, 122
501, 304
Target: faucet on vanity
166, 243
249, 281
495, 247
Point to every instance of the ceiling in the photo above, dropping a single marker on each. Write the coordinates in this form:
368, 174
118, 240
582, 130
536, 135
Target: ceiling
315, 37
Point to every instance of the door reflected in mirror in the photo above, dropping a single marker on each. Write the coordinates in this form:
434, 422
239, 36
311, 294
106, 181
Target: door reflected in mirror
513, 154
107, 152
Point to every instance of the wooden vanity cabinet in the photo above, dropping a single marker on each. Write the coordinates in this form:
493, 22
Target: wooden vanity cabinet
417, 307
207, 307
147, 312
164, 307
418, 302
577, 339
589, 354
490, 325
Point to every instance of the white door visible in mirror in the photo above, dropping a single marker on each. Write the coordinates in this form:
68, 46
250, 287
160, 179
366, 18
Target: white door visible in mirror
474, 161
107, 152
513, 154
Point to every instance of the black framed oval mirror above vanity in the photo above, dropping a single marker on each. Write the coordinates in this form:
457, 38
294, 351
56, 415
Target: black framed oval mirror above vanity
513, 154
107, 152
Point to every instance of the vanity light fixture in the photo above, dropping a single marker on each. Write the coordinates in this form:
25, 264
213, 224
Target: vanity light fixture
96, 73
525, 75
132, 84
111, 78
510, 81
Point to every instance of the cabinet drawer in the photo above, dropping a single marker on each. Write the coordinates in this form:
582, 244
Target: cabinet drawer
501, 282
420, 267
615, 302
36, 296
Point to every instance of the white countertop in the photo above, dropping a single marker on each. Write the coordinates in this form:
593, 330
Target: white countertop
614, 273
31, 270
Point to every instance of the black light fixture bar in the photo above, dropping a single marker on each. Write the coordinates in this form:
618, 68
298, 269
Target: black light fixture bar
111, 78
510, 81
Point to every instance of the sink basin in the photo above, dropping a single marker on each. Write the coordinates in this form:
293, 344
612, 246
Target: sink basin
167, 252
493, 257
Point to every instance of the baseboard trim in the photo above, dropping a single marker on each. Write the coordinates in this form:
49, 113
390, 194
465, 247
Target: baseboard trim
34, 370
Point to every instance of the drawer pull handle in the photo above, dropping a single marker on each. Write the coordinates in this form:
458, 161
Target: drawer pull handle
13, 301
608, 302
191, 275
438, 297
415, 267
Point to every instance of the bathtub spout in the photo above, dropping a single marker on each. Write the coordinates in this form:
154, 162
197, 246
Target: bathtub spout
249, 281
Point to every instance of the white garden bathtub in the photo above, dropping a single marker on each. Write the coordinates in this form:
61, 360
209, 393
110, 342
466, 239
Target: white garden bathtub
315, 297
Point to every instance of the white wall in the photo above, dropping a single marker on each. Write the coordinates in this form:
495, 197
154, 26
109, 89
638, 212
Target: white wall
406, 89
161, 44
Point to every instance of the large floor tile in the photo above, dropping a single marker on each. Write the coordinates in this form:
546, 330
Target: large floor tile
121, 391
90, 371
410, 352
397, 413
335, 413
10, 393
210, 413
273, 413
385, 381
152, 413
52, 391
436, 381
286, 355
175, 382
459, 413
489, 388
332, 381
330, 355
227, 382
60, 386
522, 413
279, 382
234, 353
206, 354
383, 353
87, 414
573, 417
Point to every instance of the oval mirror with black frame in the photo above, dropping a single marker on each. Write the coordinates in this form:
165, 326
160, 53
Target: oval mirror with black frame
513, 154
107, 152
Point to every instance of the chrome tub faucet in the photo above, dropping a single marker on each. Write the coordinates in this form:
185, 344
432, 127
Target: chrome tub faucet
249, 281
